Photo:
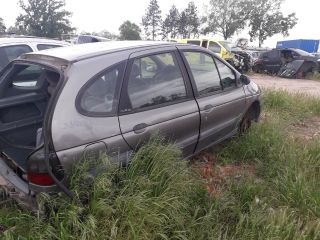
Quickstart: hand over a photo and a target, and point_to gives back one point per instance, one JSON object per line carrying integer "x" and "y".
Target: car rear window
{"x": 9, "y": 53}
{"x": 97, "y": 97}
{"x": 47, "y": 46}
{"x": 194, "y": 42}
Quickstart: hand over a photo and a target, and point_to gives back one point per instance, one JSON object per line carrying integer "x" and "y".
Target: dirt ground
{"x": 304, "y": 86}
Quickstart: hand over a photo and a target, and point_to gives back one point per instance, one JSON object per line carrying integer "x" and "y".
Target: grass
{"x": 160, "y": 197}
{"x": 313, "y": 76}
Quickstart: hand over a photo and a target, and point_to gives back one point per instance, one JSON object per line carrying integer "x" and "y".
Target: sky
{"x": 97, "y": 15}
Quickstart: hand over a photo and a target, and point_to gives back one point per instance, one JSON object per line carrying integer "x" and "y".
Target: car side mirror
{"x": 245, "y": 79}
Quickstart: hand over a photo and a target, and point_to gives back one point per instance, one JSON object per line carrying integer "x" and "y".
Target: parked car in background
{"x": 277, "y": 61}
{"x": 81, "y": 39}
{"x": 13, "y": 47}
{"x": 109, "y": 98}
{"x": 223, "y": 49}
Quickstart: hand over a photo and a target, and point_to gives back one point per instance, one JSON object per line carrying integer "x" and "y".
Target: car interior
{"x": 24, "y": 94}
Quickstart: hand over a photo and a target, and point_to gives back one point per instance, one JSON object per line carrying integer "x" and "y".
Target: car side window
{"x": 29, "y": 78}
{"x": 214, "y": 47}
{"x": 273, "y": 54}
{"x": 204, "y": 72}
{"x": 46, "y": 46}
{"x": 228, "y": 78}
{"x": 98, "y": 96}
{"x": 154, "y": 84}
{"x": 9, "y": 53}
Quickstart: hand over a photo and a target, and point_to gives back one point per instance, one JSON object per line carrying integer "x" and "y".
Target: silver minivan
{"x": 60, "y": 105}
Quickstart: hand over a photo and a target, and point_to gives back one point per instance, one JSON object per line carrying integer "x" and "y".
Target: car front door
{"x": 272, "y": 61}
{"x": 221, "y": 101}
{"x": 156, "y": 98}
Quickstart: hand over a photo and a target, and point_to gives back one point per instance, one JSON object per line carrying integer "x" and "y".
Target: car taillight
{"x": 42, "y": 179}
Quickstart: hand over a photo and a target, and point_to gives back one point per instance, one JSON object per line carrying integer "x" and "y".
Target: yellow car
{"x": 221, "y": 48}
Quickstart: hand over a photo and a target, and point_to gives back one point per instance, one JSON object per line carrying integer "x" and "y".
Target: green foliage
{"x": 183, "y": 22}
{"x": 2, "y": 26}
{"x": 151, "y": 21}
{"x": 266, "y": 20}
{"x": 226, "y": 17}
{"x": 193, "y": 22}
{"x": 292, "y": 108}
{"x": 129, "y": 31}
{"x": 171, "y": 23}
{"x": 44, "y": 18}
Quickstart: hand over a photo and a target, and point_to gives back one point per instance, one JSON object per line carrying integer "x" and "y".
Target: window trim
{"x": 123, "y": 104}
{"x": 116, "y": 93}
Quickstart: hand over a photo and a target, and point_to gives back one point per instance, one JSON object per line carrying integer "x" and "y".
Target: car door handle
{"x": 140, "y": 128}
{"x": 207, "y": 108}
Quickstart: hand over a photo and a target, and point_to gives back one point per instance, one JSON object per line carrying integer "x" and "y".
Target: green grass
{"x": 160, "y": 197}
{"x": 313, "y": 76}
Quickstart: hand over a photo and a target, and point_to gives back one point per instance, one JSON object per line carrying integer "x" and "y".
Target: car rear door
{"x": 22, "y": 107}
{"x": 221, "y": 100}
{"x": 156, "y": 98}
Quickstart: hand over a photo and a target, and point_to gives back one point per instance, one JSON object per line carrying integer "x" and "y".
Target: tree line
{"x": 48, "y": 18}
{"x": 263, "y": 18}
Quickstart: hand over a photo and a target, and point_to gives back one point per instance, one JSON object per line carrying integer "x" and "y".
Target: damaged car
{"x": 290, "y": 63}
{"x": 59, "y": 106}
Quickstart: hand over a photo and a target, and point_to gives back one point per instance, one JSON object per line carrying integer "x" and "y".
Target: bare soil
{"x": 306, "y": 130}
{"x": 309, "y": 87}
{"x": 216, "y": 175}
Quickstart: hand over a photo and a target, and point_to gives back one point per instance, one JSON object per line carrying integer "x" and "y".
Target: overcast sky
{"x": 97, "y": 15}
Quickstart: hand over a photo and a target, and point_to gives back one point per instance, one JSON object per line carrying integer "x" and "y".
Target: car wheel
{"x": 245, "y": 123}
{"x": 257, "y": 69}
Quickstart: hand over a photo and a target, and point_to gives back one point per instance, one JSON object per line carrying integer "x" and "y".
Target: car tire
{"x": 257, "y": 68}
{"x": 245, "y": 123}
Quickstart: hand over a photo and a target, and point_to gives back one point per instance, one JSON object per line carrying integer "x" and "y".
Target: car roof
{"x": 21, "y": 40}
{"x": 88, "y": 50}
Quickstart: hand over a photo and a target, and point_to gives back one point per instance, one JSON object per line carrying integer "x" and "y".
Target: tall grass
{"x": 159, "y": 196}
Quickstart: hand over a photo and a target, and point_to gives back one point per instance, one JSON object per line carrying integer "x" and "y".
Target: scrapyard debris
{"x": 297, "y": 69}
{"x": 288, "y": 63}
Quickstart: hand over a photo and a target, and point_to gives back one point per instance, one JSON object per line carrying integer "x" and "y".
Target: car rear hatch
{"x": 24, "y": 110}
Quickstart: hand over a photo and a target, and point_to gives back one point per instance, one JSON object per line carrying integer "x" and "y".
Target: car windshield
{"x": 226, "y": 45}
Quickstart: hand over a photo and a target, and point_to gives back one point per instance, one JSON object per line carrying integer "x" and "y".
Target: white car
{"x": 13, "y": 47}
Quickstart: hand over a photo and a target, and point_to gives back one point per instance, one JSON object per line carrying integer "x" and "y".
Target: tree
{"x": 227, "y": 17}
{"x": 2, "y": 26}
{"x": 183, "y": 23}
{"x": 151, "y": 21}
{"x": 44, "y": 18}
{"x": 165, "y": 28}
{"x": 193, "y": 21}
{"x": 170, "y": 25}
{"x": 129, "y": 31}
{"x": 107, "y": 34}
{"x": 266, "y": 20}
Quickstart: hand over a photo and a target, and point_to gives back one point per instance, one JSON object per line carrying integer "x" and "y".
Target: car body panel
{"x": 222, "y": 117}
{"x": 69, "y": 127}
